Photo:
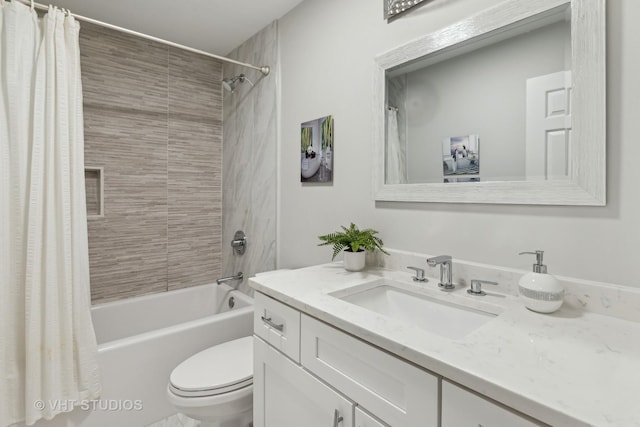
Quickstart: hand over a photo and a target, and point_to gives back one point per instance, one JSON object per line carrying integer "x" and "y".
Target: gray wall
{"x": 153, "y": 121}
{"x": 327, "y": 63}
{"x": 249, "y": 191}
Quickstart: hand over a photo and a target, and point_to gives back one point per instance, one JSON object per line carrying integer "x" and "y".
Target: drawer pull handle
{"x": 269, "y": 322}
{"x": 337, "y": 419}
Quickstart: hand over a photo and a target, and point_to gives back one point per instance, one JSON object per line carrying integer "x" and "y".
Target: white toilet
{"x": 215, "y": 386}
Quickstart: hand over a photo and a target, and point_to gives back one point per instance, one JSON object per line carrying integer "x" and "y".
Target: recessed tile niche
{"x": 94, "y": 188}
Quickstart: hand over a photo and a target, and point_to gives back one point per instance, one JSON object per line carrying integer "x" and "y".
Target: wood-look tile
{"x": 194, "y": 202}
{"x": 195, "y": 87}
{"x": 128, "y": 246}
{"x": 194, "y": 258}
{"x": 128, "y": 256}
{"x": 162, "y": 177}
{"x": 122, "y": 70}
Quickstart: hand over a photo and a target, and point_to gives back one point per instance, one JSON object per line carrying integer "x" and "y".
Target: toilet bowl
{"x": 215, "y": 386}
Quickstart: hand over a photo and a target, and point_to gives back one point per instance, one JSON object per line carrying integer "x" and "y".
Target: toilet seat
{"x": 220, "y": 369}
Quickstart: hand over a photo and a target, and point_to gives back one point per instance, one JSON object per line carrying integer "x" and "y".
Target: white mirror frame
{"x": 587, "y": 182}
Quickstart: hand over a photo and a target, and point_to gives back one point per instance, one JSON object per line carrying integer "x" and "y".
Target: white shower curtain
{"x": 396, "y": 159}
{"x": 48, "y": 351}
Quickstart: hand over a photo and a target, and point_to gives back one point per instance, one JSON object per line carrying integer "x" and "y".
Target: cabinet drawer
{"x": 277, "y": 324}
{"x": 461, "y": 408}
{"x": 363, "y": 419}
{"x": 399, "y": 393}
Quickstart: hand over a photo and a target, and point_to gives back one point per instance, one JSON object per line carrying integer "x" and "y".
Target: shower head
{"x": 231, "y": 83}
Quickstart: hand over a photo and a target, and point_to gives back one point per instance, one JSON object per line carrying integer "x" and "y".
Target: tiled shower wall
{"x": 249, "y": 193}
{"x": 153, "y": 121}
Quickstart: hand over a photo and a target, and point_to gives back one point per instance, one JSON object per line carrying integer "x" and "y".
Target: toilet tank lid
{"x": 219, "y": 366}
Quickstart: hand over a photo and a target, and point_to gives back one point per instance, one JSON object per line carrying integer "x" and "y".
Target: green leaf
{"x": 352, "y": 239}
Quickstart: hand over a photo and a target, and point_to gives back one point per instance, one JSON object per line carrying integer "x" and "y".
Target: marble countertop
{"x": 565, "y": 369}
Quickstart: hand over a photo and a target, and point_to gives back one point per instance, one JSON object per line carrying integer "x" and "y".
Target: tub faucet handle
{"x": 419, "y": 277}
{"x": 239, "y": 242}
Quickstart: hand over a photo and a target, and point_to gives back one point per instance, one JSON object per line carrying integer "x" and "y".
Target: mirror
{"x": 507, "y": 106}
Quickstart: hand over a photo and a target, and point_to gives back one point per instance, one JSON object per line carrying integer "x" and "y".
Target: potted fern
{"x": 354, "y": 242}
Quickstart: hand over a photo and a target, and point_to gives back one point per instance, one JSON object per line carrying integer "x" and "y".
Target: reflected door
{"x": 548, "y": 128}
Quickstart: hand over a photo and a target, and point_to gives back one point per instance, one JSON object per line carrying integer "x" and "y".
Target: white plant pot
{"x": 354, "y": 261}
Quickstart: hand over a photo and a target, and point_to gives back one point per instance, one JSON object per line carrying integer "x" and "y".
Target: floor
{"x": 177, "y": 420}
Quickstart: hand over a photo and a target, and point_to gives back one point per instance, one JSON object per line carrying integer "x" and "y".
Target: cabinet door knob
{"x": 337, "y": 419}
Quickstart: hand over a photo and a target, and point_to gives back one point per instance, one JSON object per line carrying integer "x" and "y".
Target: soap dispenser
{"x": 540, "y": 291}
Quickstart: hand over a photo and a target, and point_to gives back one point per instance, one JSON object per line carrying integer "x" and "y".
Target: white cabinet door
{"x": 461, "y": 408}
{"x": 287, "y": 396}
{"x": 395, "y": 391}
{"x": 365, "y": 420}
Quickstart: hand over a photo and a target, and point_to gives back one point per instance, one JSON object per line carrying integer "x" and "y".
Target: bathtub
{"x": 309, "y": 166}
{"x": 141, "y": 340}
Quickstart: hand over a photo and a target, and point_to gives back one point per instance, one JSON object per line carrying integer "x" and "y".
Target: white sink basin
{"x": 390, "y": 299}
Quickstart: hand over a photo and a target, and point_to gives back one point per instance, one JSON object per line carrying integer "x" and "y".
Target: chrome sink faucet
{"x": 446, "y": 270}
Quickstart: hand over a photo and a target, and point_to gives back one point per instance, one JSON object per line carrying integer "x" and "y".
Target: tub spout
{"x": 238, "y": 276}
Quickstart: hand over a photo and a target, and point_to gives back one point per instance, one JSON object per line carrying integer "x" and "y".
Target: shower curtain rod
{"x": 264, "y": 69}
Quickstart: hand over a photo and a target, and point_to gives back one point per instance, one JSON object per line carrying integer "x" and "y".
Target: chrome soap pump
{"x": 541, "y": 292}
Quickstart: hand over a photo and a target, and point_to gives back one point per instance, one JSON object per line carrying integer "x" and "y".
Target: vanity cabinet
{"x": 462, "y": 408}
{"x": 285, "y": 395}
{"x": 330, "y": 374}
{"x": 308, "y": 373}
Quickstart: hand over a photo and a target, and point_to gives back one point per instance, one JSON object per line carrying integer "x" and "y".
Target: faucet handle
{"x": 419, "y": 277}
{"x": 476, "y": 287}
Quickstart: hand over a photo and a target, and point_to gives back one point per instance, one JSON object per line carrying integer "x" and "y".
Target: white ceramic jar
{"x": 541, "y": 292}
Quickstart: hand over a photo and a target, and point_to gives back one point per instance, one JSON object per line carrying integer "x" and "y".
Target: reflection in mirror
{"x": 519, "y": 86}
{"x": 491, "y": 92}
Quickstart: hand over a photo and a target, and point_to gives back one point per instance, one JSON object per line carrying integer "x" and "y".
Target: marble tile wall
{"x": 153, "y": 121}
{"x": 249, "y": 159}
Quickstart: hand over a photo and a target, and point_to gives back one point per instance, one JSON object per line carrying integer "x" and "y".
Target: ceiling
{"x": 214, "y": 26}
